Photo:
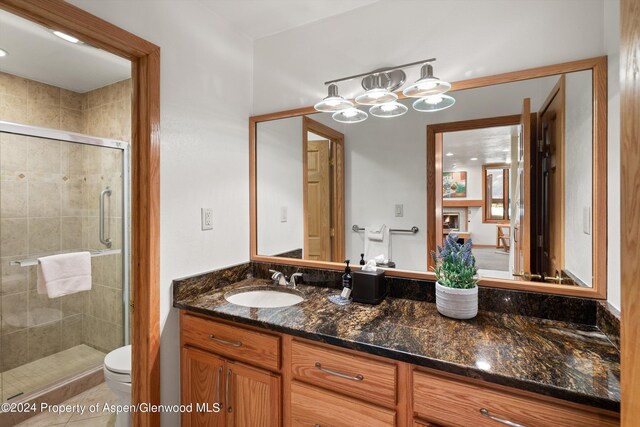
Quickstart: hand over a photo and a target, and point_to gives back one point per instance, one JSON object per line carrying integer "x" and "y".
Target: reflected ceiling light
{"x": 3, "y": 53}
{"x": 390, "y": 109}
{"x": 434, "y": 103}
{"x": 474, "y": 158}
{"x": 378, "y": 94}
{"x": 380, "y": 86}
{"x": 352, "y": 115}
{"x": 333, "y": 102}
{"x": 449, "y": 154}
{"x": 66, "y": 37}
{"x": 427, "y": 84}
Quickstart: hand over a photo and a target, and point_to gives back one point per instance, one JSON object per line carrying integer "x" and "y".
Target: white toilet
{"x": 117, "y": 375}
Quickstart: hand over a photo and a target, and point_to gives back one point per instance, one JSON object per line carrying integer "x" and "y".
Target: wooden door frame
{"x": 505, "y": 195}
{"x": 630, "y": 210}
{"x": 434, "y": 170}
{"x": 337, "y": 190}
{"x": 145, "y": 185}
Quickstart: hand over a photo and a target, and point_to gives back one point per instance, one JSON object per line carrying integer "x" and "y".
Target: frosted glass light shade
{"x": 434, "y": 103}
{"x": 333, "y": 102}
{"x": 352, "y": 115}
{"x": 390, "y": 109}
{"x": 427, "y": 84}
{"x": 376, "y": 96}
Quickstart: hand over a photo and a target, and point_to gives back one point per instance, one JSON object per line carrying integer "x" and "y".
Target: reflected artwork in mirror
{"x": 517, "y": 165}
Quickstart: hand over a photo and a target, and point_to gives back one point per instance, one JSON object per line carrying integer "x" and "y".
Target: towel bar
{"x": 413, "y": 229}
{"x": 27, "y": 262}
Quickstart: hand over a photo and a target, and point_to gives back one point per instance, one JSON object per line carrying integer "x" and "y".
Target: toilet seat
{"x": 117, "y": 365}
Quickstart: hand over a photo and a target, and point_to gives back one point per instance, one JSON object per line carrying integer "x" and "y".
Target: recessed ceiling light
{"x": 474, "y": 158}
{"x": 506, "y": 150}
{"x": 3, "y": 53}
{"x": 66, "y": 37}
{"x": 449, "y": 154}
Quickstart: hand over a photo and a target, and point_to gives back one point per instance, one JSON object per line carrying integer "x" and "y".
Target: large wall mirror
{"x": 517, "y": 165}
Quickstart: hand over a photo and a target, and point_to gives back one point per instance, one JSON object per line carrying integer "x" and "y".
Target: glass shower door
{"x": 58, "y": 196}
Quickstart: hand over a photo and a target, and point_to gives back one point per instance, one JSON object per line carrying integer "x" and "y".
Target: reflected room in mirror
{"x": 511, "y": 166}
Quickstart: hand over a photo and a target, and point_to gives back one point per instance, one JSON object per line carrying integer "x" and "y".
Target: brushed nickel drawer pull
{"x": 338, "y": 374}
{"x": 226, "y": 391}
{"x": 231, "y": 343}
{"x": 485, "y": 413}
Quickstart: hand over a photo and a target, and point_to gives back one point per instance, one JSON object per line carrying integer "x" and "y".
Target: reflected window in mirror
{"x": 496, "y": 193}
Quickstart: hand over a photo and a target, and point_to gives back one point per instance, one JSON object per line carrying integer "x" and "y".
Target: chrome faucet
{"x": 280, "y": 279}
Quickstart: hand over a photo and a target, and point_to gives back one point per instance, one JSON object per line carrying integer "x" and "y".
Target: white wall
{"x": 578, "y": 174}
{"x": 279, "y": 185}
{"x": 205, "y": 103}
{"x": 612, "y": 46}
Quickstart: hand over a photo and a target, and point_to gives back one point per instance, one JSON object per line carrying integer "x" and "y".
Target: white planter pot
{"x": 457, "y": 303}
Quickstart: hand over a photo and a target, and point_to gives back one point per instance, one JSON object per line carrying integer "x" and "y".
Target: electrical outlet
{"x": 283, "y": 214}
{"x": 207, "y": 219}
{"x": 399, "y": 210}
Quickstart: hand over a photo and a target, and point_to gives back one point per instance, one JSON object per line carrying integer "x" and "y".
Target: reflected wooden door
{"x": 552, "y": 177}
{"x": 522, "y": 220}
{"x": 318, "y": 182}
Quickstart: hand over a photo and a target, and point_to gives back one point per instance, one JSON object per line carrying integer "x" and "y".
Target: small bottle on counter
{"x": 347, "y": 282}
{"x": 362, "y": 261}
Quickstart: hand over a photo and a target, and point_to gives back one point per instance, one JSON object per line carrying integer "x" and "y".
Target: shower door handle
{"x": 105, "y": 241}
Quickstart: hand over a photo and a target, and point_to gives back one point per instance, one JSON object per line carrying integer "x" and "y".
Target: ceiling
{"x": 261, "y": 18}
{"x": 35, "y": 53}
{"x": 488, "y": 145}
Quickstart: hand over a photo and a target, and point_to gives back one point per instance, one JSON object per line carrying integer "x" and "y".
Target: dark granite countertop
{"x": 563, "y": 360}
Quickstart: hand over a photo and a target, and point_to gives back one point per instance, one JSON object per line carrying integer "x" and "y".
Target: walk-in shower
{"x": 60, "y": 192}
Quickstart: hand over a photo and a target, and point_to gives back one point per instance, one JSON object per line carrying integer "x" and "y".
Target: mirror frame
{"x": 598, "y": 67}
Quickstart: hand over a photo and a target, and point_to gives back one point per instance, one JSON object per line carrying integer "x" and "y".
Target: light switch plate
{"x": 283, "y": 214}
{"x": 207, "y": 219}
{"x": 399, "y": 210}
{"x": 586, "y": 220}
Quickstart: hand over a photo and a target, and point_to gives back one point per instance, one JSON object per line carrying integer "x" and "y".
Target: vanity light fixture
{"x": 66, "y": 37}
{"x": 333, "y": 102}
{"x": 434, "y": 103}
{"x": 390, "y": 109}
{"x": 379, "y": 86}
{"x": 351, "y": 115}
{"x": 427, "y": 84}
{"x": 3, "y": 53}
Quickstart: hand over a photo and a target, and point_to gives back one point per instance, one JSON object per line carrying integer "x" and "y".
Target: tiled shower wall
{"x": 49, "y": 204}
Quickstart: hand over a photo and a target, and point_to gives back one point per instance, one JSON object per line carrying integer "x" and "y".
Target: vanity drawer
{"x": 450, "y": 402}
{"x": 233, "y": 342}
{"x": 311, "y": 406}
{"x": 346, "y": 373}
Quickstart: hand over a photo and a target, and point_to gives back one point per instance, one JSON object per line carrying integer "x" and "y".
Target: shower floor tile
{"x": 49, "y": 370}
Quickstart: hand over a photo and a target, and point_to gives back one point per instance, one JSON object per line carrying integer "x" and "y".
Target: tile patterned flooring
{"x": 97, "y": 395}
{"x": 49, "y": 370}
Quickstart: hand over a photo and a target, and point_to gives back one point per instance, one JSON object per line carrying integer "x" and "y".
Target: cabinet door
{"x": 254, "y": 396}
{"x": 202, "y": 387}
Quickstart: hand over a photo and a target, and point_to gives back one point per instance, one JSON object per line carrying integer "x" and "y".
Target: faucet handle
{"x": 292, "y": 280}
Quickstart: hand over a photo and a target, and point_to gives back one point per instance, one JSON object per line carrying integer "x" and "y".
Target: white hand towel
{"x": 375, "y": 233}
{"x": 374, "y": 248}
{"x": 64, "y": 274}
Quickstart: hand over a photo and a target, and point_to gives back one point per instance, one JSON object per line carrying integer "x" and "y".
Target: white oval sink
{"x": 264, "y": 297}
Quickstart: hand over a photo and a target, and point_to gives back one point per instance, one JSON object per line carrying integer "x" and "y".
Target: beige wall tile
{"x": 43, "y": 309}
{"x": 44, "y": 340}
{"x": 13, "y": 237}
{"x": 71, "y": 120}
{"x": 44, "y": 236}
{"x": 72, "y": 196}
{"x": 113, "y": 305}
{"x": 71, "y": 233}
{"x": 13, "y": 109}
{"x": 45, "y": 115}
{"x": 14, "y": 350}
{"x": 71, "y": 158}
{"x": 70, "y": 99}
{"x": 73, "y": 304}
{"x": 44, "y": 156}
{"x": 13, "y": 152}
{"x": 13, "y": 199}
{"x": 14, "y": 312}
{"x": 13, "y": 85}
{"x": 71, "y": 331}
{"x": 14, "y": 278}
{"x": 113, "y": 336}
{"x": 42, "y": 93}
{"x": 44, "y": 199}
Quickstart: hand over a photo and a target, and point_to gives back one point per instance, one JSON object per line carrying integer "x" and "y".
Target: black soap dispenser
{"x": 347, "y": 282}
{"x": 362, "y": 261}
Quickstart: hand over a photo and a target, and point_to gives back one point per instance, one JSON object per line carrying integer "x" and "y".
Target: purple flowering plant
{"x": 455, "y": 264}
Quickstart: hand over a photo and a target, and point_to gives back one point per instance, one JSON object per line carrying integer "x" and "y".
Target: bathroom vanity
{"x": 398, "y": 363}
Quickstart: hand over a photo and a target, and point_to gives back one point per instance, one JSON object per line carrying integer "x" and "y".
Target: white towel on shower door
{"x": 64, "y": 274}
{"x": 376, "y": 244}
